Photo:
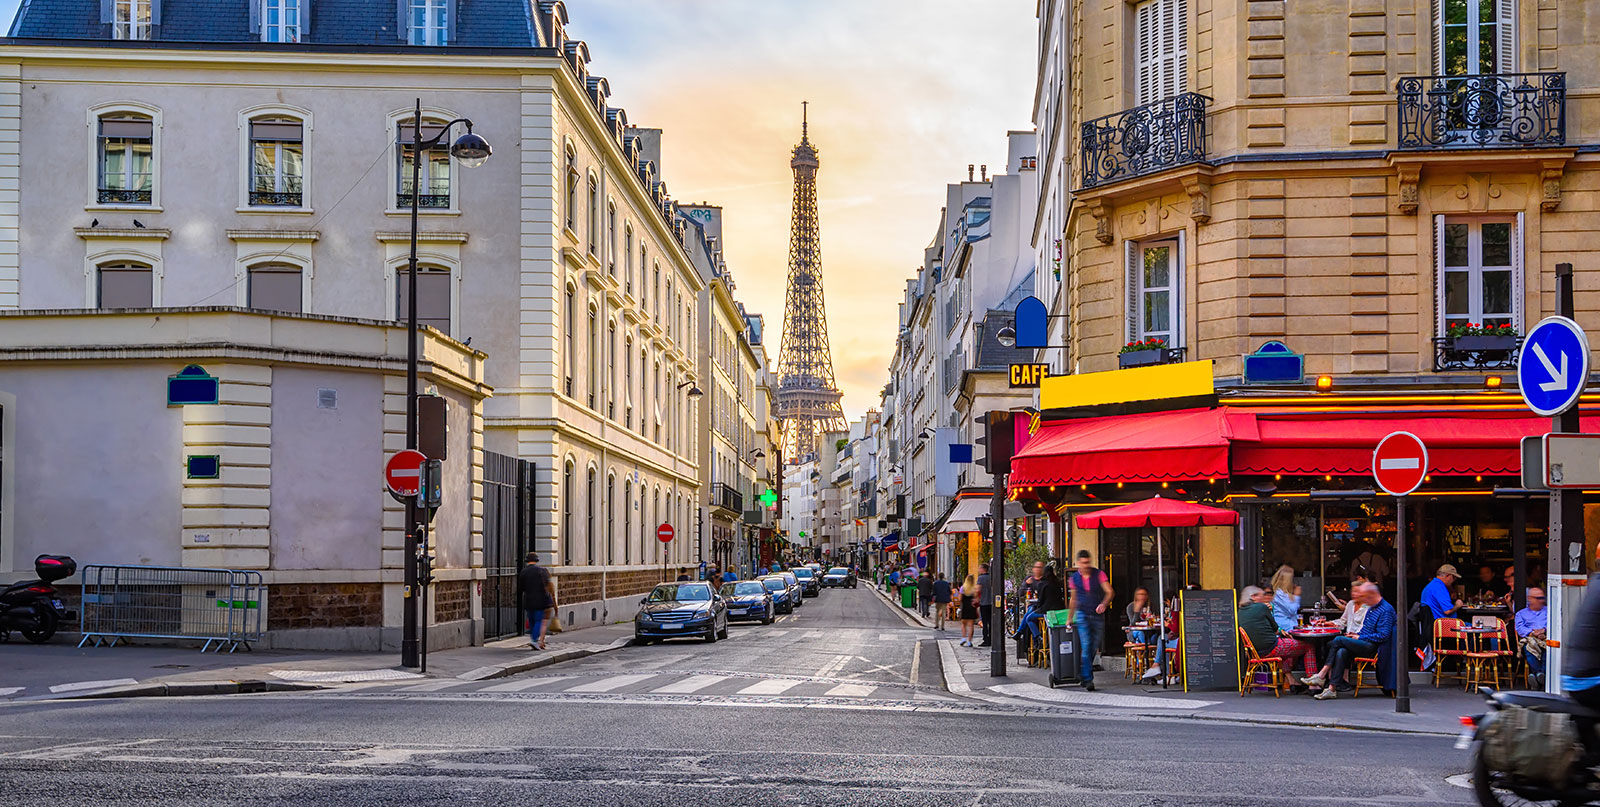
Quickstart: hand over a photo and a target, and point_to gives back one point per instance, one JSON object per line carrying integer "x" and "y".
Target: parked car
{"x": 810, "y": 582}
{"x": 782, "y": 595}
{"x": 748, "y": 599}
{"x": 676, "y": 610}
{"x": 795, "y": 586}
{"x": 839, "y": 577}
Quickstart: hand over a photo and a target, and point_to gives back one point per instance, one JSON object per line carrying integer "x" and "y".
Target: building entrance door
{"x": 507, "y": 538}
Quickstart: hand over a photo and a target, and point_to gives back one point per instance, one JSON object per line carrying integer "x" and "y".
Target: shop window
{"x": 1161, "y": 50}
{"x": 277, "y": 287}
{"x": 1154, "y": 288}
{"x": 1480, "y": 271}
{"x": 127, "y": 160}
{"x": 433, "y": 297}
{"x": 435, "y": 176}
{"x": 277, "y": 165}
{"x": 125, "y": 285}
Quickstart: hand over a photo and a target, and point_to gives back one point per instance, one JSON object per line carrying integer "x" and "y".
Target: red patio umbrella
{"x": 1159, "y": 513}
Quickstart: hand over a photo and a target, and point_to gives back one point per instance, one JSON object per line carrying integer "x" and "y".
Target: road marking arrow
{"x": 1558, "y": 378}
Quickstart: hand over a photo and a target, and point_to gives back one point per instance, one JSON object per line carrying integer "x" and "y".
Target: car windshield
{"x": 686, "y": 592}
{"x": 774, "y": 583}
{"x": 803, "y": 574}
{"x": 838, "y": 570}
{"x": 747, "y": 587}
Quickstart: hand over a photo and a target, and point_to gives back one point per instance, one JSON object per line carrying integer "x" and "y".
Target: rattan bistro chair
{"x": 1254, "y": 662}
{"x": 1448, "y": 643}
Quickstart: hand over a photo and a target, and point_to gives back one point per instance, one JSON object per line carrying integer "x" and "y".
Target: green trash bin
{"x": 908, "y": 596}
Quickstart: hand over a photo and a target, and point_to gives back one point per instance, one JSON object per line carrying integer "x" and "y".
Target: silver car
{"x": 797, "y": 590}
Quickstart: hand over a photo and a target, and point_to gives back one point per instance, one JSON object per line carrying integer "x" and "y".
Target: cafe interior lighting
{"x": 1324, "y": 383}
{"x": 1492, "y": 382}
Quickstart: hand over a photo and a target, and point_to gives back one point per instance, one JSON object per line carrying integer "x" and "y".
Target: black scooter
{"x": 33, "y": 607}
{"x": 1565, "y": 778}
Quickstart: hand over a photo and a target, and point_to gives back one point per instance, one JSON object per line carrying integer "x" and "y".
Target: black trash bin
{"x": 1063, "y": 638}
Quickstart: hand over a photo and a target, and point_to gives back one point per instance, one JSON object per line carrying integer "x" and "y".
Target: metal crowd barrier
{"x": 221, "y": 607}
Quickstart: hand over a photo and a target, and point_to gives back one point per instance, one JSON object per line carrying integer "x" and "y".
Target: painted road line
{"x": 693, "y": 683}
{"x": 658, "y": 662}
{"x": 82, "y": 685}
{"x": 519, "y": 686}
{"x": 5, "y": 691}
{"x": 777, "y": 632}
{"x": 432, "y": 686}
{"x": 849, "y": 691}
{"x": 611, "y": 683}
{"x": 1042, "y": 693}
{"x": 771, "y": 686}
{"x": 812, "y": 634}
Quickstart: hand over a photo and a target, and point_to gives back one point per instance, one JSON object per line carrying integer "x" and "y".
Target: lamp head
{"x": 694, "y": 392}
{"x": 1007, "y": 336}
{"x": 471, "y": 149}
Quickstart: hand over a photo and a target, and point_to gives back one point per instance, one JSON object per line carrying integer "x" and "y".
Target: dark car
{"x": 810, "y": 585}
{"x": 749, "y": 599}
{"x": 782, "y": 593}
{"x": 839, "y": 577}
{"x": 673, "y": 610}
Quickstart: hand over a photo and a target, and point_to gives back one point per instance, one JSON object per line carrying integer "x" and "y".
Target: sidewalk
{"x": 966, "y": 670}
{"x": 59, "y": 669}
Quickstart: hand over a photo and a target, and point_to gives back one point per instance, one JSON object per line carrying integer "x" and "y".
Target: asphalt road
{"x": 629, "y": 745}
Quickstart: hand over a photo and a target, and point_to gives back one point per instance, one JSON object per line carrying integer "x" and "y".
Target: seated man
{"x": 1531, "y": 623}
{"x": 1376, "y": 630}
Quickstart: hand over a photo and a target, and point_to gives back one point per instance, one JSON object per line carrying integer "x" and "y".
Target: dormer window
{"x": 428, "y": 22}
{"x": 280, "y": 20}
{"x": 131, "y": 19}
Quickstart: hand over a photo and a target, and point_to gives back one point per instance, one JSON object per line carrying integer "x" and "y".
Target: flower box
{"x": 1144, "y": 358}
{"x": 1484, "y": 343}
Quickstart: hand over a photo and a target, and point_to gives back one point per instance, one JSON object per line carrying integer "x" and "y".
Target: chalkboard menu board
{"x": 1210, "y": 641}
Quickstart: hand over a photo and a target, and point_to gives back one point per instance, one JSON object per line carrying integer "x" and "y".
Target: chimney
{"x": 969, "y": 172}
{"x": 983, "y": 173}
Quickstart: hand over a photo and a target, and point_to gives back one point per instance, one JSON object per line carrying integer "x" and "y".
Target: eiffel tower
{"x": 808, "y": 399}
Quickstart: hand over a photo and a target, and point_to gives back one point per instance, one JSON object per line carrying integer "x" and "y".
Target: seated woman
{"x": 1168, "y": 642}
{"x": 1256, "y": 618}
{"x": 1138, "y": 611}
{"x": 1349, "y": 622}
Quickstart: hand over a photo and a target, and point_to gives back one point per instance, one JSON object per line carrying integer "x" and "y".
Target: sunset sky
{"x": 904, "y": 95}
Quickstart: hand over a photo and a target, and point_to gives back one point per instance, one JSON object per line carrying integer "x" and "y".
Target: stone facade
{"x": 299, "y": 606}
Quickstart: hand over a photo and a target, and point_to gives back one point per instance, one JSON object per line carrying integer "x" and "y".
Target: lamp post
{"x": 471, "y": 150}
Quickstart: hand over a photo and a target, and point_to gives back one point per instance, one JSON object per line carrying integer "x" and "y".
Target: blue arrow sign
{"x": 1553, "y": 366}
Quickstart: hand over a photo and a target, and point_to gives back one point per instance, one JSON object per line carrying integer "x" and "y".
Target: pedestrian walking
{"x": 924, "y": 592}
{"x": 985, "y": 607}
{"x": 538, "y": 599}
{"x": 969, "y": 608}
{"x": 1091, "y": 596}
{"x": 941, "y": 601}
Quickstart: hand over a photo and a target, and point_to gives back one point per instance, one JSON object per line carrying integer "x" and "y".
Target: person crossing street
{"x": 924, "y": 592}
{"x": 941, "y": 601}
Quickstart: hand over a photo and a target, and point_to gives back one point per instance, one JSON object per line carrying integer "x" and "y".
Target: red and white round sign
{"x": 664, "y": 533}
{"x": 403, "y": 472}
{"x": 1400, "y": 463}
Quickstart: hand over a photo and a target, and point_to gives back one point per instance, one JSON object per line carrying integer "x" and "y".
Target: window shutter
{"x": 450, "y": 7}
{"x": 305, "y": 20}
{"x": 107, "y": 15}
{"x": 1180, "y": 45}
{"x": 1131, "y": 289}
{"x": 255, "y": 15}
{"x": 1145, "y": 77}
{"x": 1506, "y": 29}
{"x": 402, "y": 30}
{"x": 1517, "y": 273}
{"x": 1438, "y": 37}
{"x": 1180, "y": 268}
{"x": 1438, "y": 275}
{"x": 155, "y": 12}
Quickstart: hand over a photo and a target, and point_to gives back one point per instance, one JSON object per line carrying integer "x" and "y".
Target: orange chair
{"x": 1135, "y": 659}
{"x": 1273, "y": 666}
{"x": 1364, "y": 666}
{"x": 1448, "y": 643}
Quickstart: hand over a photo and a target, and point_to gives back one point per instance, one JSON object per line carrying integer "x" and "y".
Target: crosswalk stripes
{"x": 812, "y": 634}
{"x": 5, "y": 691}
{"x": 432, "y": 686}
{"x": 850, "y": 691}
{"x": 524, "y": 685}
{"x": 611, "y": 683}
{"x": 693, "y": 683}
{"x": 770, "y": 686}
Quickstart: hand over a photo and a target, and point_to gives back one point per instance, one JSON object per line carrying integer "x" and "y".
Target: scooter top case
{"x": 51, "y": 568}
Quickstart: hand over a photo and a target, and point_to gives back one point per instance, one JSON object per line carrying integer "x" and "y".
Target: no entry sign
{"x": 1399, "y": 463}
{"x": 664, "y": 533}
{"x": 403, "y": 472}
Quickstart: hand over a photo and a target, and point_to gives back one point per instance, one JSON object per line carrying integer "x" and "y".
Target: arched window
{"x": 611, "y": 519}
{"x": 644, "y": 390}
{"x": 433, "y": 296}
{"x": 276, "y": 287}
{"x": 571, "y": 347}
{"x": 594, "y": 215}
{"x": 655, "y": 295}
{"x": 611, "y": 364}
{"x": 566, "y": 515}
{"x": 126, "y": 146}
{"x": 657, "y": 377}
{"x": 627, "y": 384}
{"x": 627, "y": 521}
{"x": 572, "y": 190}
{"x": 277, "y": 166}
{"x": 655, "y": 511}
{"x": 671, "y": 309}
{"x": 435, "y": 168}
{"x": 589, "y": 510}
{"x": 644, "y": 261}
{"x": 125, "y": 284}
{"x": 594, "y": 357}
{"x": 611, "y": 239}
{"x": 627, "y": 255}
{"x": 670, "y": 413}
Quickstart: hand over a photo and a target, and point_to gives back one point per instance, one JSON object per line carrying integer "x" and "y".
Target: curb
{"x": 911, "y": 617}
{"x": 176, "y": 689}
{"x": 556, "y": 657}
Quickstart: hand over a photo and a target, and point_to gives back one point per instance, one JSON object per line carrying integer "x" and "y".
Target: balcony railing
{"x": 1475, "y": 352}
{"x": 727, "y": 498}
{"x": 277, "y": 199}
{"x": 121, "y": 196}
{"x": 1145, "y": 139}
{"x": 402, "y": 201}
{"x": 1514, "y": 110}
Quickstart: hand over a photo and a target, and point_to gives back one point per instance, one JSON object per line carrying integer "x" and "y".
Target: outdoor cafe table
{"x": 1470, "y": 611}
{"x": 1333, "y": 612}
{"x": 1316, "y": 637}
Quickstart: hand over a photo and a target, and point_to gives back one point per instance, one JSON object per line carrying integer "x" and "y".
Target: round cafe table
{"x": 1318, "y": 638}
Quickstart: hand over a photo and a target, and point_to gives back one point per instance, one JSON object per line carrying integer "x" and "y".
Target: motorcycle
{"x": 34, "y": 607}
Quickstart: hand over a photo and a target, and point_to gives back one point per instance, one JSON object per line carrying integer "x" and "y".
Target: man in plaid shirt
{"x": 1376, "y": 630}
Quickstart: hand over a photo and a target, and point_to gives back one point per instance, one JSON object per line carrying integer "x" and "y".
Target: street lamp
{"x": 470, "y": 150}
{"x": 694, "y": 392}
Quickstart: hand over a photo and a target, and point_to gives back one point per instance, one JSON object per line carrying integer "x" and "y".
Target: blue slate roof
{"x": 479, "y": 23}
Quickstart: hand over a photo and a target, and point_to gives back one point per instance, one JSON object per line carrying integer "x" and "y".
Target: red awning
{"x": 1486, "y": 443}
{"x": 1154, "y": 447}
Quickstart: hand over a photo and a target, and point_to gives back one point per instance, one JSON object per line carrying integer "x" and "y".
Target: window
{"x": 280, "y": 20}
{"x": 429, "y": 22}
{"x": 671, "y": 307}
{"x": 435, "y": 174}
{"x": 1154, "y": 284}
{"x": 276, "y": 165}
{"x": 1161, "y": 48}
{"x": 658, "y": 400}
{"x": 127, "y": 160}
{"x": 1480, "y": 263}
{"x": 627, "y": 521}
{"x": 276, "y": 287}
{"x": 644, "y": 260}
{"x": 611, "y": 363}
{"x": 594, "y": 216}
{"x": 571, "y": 353}
{"x": 594, "y": 357}
{"x": 131, "y": 19}
{"x": 627, "y": 254}
{"x": 644, "y": 389}
{"x": 611, "y": 519}
{"x": 566, "y": 514}
{"x": 572, "y": 191}
{"x": 126, "y": 285}
{"x": 627, "y": 384}
{"x": 588, "y": 514}
{"x": 611, "y": 240}
{"x": 655, "y": 296}
{"x": 433, "y": 297}
{"x": 1474, "y": 37}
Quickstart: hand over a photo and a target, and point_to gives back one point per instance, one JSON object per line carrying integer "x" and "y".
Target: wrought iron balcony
{"x": 275, "y": 199}
{"x": 1145, "y": 139}
{"x": 429, "y": 200}
{"x": 1475, "y": 352}
{"x": 122, "y": 196}
{"x": 1509, "y": 110}
{"x": 727, "y": 498}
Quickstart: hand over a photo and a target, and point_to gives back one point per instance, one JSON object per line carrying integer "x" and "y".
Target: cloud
{"x": 904, "y": 95}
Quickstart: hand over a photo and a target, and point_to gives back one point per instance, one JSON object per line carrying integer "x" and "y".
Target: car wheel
{"x": 711, "y": 633}
{"x": 767, "y": 620}
{"x": 723, "y": 634}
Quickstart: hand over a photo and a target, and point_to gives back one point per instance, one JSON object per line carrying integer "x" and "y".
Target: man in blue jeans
{"x": 1376, "y": 630}
{"x": 1091, "y": 596}
{"x": 538, "y": 598}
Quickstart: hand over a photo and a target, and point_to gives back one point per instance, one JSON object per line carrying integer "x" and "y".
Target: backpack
{"x": 1542, "y": 747}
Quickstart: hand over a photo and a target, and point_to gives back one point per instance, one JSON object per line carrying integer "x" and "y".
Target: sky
{"x": 904, "y": 95}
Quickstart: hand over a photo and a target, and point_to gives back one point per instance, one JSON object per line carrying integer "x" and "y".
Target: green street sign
{"x": 769, "y": 498}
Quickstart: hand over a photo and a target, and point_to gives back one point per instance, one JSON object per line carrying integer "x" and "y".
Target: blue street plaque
{"x": 960, "y": 452}
{"x": 1274, "y": 363}
{"x": 192, "y": 385}
{"x": 1553, "y": 366}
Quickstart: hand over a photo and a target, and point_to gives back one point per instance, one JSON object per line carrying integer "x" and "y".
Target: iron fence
{"x": 1483, "y": 111}
{"x": 1145, "y": 139}
{"x": 220, "y": 607}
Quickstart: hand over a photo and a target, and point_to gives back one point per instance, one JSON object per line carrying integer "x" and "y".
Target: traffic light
{"x": 431, "y": 429}
{"x": 431, "y": 490}
{"x": 1000, "y": 439}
